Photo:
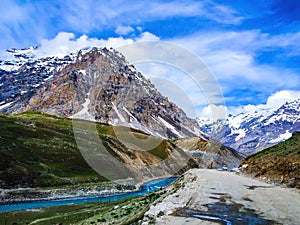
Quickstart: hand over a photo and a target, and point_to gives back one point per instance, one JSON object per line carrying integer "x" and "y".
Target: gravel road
{"x": 221, "y": 197}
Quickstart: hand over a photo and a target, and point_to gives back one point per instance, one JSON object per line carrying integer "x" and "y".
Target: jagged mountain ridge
{"x": 21, "y": 74}
{"x": 95, "y": 84}
{"x": 249, "y": 133}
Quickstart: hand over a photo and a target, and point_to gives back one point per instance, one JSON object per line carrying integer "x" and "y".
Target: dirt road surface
{"x": 222, "y": 197}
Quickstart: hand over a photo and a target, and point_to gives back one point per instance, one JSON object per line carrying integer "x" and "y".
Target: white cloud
{"x": 64, "y": 43}
{"x": 231, "y": 57}
{"x": 221, "y": 13}
{"x": 25, "y": 23}
{"x": 214, "y": 112}
{"x": 243, "y": 40}
{"x": 205, "y": 9}
{"x": 231, "y": 66}
{"x": 281, "y": 97}
{"x": 124, "y": 30}
{"x": 273, "y": 102}
{"x": 18, "y": 25}
{"x": 147, "y": 36}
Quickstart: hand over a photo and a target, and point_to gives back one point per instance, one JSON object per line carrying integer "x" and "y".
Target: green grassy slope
{"x": 280, "y": 163}
{"x": 39, "y": 150}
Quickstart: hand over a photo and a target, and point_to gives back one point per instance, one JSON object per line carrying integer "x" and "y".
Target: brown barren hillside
{"x": 278, "y": 164}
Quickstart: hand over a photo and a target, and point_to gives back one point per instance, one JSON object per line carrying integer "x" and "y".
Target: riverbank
{"x": 141, "y": 190}
{"x": 117, "y": 209}
{"x": 115, "y": 212}
{"x": 17, "y": 195}
{"x": 225, "y": 195}
{"x": 88, "y": 190}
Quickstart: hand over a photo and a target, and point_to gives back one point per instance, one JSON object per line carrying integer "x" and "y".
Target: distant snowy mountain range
{"x": 249, "y": 133}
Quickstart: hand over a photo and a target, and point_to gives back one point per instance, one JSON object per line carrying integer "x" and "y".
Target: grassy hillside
{"x": 39, "y": 150}
{"x": 280, "y": 163}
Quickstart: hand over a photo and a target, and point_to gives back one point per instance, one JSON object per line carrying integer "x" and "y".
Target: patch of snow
{"x": 271, "y": 120}
{"x": 118, "y": 113}
{"x": 282, "y": 137}
{"x": 236, "y": 121}
{"x": 5, "y": 105}
{"x": 172, "y": 128}
{"x": 84, "y": 113}
{"x": 146, "y": 89}
{"x": 241, "y": 134}
{"x": 9, "y": 67}
{"x": 83, "y": 72}
{"x": 48, "y": 78}
{"x": 129, "y": 113}
{"x": 244, "y": 166}
{"x": 138, "y": 77}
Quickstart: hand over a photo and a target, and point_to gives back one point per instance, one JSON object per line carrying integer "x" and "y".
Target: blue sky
{"x": 251, "y": 47}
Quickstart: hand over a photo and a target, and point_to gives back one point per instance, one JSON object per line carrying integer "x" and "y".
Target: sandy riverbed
{"x": 200, "y": 188}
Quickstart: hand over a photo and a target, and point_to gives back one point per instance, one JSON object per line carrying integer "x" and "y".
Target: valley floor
{"x": 225, "y": 197}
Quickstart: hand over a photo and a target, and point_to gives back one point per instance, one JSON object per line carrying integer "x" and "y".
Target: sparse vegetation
{"x": 278, "y": 164}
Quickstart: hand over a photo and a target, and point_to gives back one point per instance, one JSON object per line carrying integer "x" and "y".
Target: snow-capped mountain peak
{"x": 95, "y": 84}
{"x": 252, "y": 132}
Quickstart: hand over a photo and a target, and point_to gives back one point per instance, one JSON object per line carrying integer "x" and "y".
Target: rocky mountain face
{"x": 279, "y": 164}
{"x": 209, "y": 154}
{"x": 99, "y": 85}
{"x": 95, "y": 84}
{"x": 249, "y": 133}
{"x": 21, "y": 74}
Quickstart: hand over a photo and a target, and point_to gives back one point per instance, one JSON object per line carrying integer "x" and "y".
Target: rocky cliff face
{"x": 95, "y": 84}
{"x": 249, "y": 133}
